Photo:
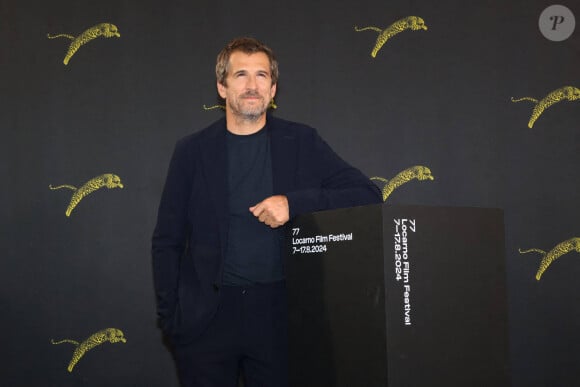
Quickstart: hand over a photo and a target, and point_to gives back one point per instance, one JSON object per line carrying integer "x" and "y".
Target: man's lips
{"x": 251, "y": 96}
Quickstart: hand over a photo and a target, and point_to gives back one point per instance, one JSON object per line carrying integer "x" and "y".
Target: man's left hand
{"x": 273, "y": 211}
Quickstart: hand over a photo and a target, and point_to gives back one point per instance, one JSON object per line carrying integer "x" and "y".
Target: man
{"x": 217, "y": 246}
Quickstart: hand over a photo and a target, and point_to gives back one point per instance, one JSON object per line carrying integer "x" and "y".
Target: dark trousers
{"x": 249, "y": 334}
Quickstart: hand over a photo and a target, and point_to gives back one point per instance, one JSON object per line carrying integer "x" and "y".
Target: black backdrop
{"x": 438, "y": 98}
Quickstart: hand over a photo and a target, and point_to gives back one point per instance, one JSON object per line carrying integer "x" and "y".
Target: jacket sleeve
{"x": 170, "y": 234}
{"x": 325, "y": 181}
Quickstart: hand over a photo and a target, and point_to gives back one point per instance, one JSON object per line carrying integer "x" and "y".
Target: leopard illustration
{"x": 108, "y": 180}
{"x": 418, "y": 172}
{"x": 569, "y": 93}
{"x": 413, "y": 23}
{"x": 106, "y": 30}
{"x": 111, "y": 335}
{"x": 572, "y": 244}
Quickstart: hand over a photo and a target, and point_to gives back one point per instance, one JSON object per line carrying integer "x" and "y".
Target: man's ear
{"x": 221, "y": 90}
{"x": 273, "y": 90}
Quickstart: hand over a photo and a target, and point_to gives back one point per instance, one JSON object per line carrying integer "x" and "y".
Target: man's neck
{"x": 243, "y": 126}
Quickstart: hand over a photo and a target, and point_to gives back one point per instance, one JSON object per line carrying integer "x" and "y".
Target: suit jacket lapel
{"x": 283, "y": 152}
{"x": 214, "y": 164}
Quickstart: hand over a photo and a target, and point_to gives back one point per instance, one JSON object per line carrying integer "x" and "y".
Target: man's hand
{"x": 273, "y": 211}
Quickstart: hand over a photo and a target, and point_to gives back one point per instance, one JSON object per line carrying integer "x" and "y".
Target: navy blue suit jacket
{"x": 189, "y": 241}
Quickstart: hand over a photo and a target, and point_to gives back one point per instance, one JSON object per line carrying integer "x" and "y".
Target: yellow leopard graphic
{"x": 418, "y": 172}
{"x": 223, "y": 107}
{"x": 572, "y": 244}
{"x": 106, "y": 180}
{"x": 569, "y": 93}
{"x": 412, "y": 23}
{"x": 106, "y": 30}
{"x": 111, "y": 335}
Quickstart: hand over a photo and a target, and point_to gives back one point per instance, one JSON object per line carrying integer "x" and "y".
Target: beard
{"x": 250, "y": 112}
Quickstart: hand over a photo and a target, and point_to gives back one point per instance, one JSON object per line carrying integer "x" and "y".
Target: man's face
{"x": 248, "y": 87}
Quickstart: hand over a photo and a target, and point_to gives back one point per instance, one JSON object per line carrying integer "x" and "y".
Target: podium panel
{"x": 336, "y": 296}
{"x": 399, "y": 296}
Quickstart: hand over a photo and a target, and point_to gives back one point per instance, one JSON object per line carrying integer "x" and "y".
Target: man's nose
{"x": 251, "y": 83}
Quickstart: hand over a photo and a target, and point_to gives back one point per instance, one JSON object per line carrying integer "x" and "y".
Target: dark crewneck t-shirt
{"x": 253, "y": 250}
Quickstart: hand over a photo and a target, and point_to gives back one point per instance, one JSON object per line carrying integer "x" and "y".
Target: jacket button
{"x": 216, "y": 287}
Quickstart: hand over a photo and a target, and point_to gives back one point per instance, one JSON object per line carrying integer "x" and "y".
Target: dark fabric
{"x": 249, "y": 331}
{"x": 253, "y": 248}
{"x": 189, "y": 241}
